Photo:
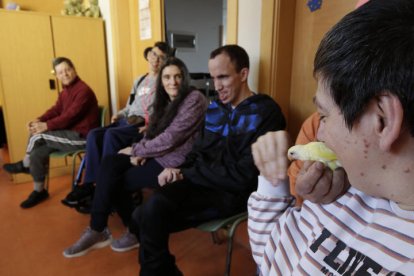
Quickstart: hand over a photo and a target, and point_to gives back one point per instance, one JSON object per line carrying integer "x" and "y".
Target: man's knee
{"x": 111, "y": 140}
{"x": 156, "y": 206}
{"x": 93, "y": 134}
{"x": 96, "y": 136}
{"x": 39, "y": 155}
{"x": 111, "y": 133}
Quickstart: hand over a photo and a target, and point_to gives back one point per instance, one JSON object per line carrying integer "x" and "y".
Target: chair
{"x": 74, "y": 154}
{"x": 204, "y": 83}
{"x": 229, "y": 224}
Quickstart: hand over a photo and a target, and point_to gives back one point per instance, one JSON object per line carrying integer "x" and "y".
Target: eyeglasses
{"x": 155, "y": 55}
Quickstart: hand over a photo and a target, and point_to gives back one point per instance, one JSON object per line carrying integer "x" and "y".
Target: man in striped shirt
{"x": 365, "y": 98}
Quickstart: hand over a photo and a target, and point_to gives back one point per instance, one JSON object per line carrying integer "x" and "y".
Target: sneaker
{"x": 126, "y": 242}
{"x": 34, "y": 198}
{"x": 78, "y": 194}
{"x": 16, "y": 168}
{"x": 89, "y": 240}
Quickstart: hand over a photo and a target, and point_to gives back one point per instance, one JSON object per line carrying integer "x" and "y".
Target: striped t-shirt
{"x": 355, "y": 235}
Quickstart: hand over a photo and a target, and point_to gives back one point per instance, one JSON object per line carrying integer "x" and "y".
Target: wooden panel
{"x": 266, "y": 46}
{"x": 276, "y": 50}
{"x": 49, "y": 6}
{"x": 83, "y": 41}
{"x": 309, "y": 30}
{"x": 121, "y": 44}
{"x": 26, "y": 53}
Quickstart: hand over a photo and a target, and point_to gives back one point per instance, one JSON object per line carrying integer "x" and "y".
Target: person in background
{"x": 219, "y": 174}
{"x": 147, "y": 52}
{"x": 61, "y": 128}
{"x": 174, "y": 125}
{"x": 365, "y": 100}
{"x": 126, "y": 126}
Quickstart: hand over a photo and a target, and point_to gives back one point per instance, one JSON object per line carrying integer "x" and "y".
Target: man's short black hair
{"x": 59, "y": 60}
{"x": 165, "y": 48}
{"x": 146, "y": 52}
{"x": 238, "y": 56}
{"x": 368, "y": 53}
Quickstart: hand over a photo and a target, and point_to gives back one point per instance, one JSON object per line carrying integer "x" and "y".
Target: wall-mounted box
{"x": 181, "y": 40}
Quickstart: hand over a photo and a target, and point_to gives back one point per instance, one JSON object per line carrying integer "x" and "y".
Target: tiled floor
{"x": 32, "y": 240}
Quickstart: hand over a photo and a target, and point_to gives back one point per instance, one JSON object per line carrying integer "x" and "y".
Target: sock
{"x": 26, "y": 161}
{"x": 39, "y": 186}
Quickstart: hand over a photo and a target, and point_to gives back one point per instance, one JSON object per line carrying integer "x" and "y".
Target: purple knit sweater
{"x": 171, "y": 146}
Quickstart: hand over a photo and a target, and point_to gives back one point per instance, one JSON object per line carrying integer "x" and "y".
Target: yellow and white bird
{"x": 314, "y": 151}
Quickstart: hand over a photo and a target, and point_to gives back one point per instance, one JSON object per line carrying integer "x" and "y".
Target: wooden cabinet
{"x": 29, "y": 42}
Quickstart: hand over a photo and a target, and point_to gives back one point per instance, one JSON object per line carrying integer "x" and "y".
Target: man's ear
{"x": 390, "y": 119}
{"x": 244, "y": 74}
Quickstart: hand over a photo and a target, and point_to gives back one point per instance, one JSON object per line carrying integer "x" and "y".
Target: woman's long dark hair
{"x": 164, "y": 110}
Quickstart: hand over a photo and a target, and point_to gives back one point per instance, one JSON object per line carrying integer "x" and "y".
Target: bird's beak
{"x": 290, "y": 155}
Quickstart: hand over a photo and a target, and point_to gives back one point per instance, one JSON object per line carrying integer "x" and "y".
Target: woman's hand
{"x": 142, "y": 129}
{"x": 138, "y": 160}
{"x": 126, "y": 151}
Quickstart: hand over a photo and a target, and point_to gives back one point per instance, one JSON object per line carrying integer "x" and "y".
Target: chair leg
{"x": 229, "y": 253}
{"x": 231, "y": 232}
{"x": 46, "y": 187}
{"x": 47, "y": 182}
{"x": 76, "y": 180}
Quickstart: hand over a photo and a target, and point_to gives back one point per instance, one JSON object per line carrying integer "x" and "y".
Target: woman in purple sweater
{"x": 174, "y": 124}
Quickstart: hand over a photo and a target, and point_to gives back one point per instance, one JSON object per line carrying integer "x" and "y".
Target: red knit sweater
{"x": 76, "y": 109}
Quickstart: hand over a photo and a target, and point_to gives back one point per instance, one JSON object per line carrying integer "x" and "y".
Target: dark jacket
{"x": 75, "y": 109}
{"x": 221, "y": 157}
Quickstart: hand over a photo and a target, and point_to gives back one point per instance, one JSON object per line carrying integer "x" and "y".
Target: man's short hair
{"x": 146, "y": 52}
{"x": 238, "y": 56}
{"x": 368, "y": 53}
{"x": 165, "y": 48}
{"x": 59, "y": 60}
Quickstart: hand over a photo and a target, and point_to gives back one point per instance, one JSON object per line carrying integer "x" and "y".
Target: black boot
{"x": 79, "y": 194}
{"x": 34, "y": 198}
{"x": 16, "y": 168}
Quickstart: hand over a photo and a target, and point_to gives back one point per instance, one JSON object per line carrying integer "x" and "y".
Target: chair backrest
{"x": 102, "y": 113}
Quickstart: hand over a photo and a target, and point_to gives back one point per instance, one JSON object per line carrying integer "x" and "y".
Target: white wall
{"x": 200, "y": 17}
{"x": 248, "y": 36}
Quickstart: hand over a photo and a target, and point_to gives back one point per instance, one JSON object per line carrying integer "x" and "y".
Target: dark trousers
{"x": 115, "y": 184}
{"x": 41, "y": 145}
{"x": 105, "y": 141}
{"x": 175, "y": 207}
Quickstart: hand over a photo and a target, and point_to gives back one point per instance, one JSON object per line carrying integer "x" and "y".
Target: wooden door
{"x": 276, "y": 50}
{"x": 26, "y": 53}
{"x": 310, "y": 27}
{"x": 83, "y": 41}
{"x": 121, "y": 45}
